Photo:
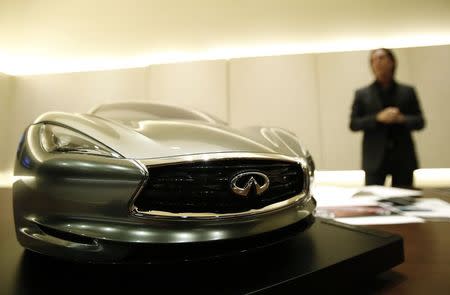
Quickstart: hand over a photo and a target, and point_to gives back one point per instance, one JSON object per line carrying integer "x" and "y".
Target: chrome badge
{"x": 242, "y": 183}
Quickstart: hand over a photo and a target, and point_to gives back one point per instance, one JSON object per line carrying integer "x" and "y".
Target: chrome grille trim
{"x": 304, "y": 196}
{"x": 141, "y": 186}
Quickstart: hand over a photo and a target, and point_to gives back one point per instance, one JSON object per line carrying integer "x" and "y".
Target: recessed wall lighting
{"x": 30, "y": 65}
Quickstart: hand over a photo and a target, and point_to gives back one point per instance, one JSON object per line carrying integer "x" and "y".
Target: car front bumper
{"x": 111, "y": 241}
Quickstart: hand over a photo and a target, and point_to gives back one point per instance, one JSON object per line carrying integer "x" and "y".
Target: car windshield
{"x": 141, "y": 111}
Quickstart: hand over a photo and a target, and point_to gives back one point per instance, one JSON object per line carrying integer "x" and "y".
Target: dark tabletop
{"x": 426, "y": 269}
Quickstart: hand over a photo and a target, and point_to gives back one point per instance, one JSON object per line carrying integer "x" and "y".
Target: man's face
{"x": 382, "y": 65}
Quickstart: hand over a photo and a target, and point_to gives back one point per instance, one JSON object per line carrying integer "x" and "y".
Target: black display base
{"x": 328, "y": 256}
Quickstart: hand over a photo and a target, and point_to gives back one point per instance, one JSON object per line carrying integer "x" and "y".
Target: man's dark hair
{"x": 389, "y": 53}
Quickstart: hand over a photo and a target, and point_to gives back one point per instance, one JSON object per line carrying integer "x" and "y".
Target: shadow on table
{"x": 238, "y": 273}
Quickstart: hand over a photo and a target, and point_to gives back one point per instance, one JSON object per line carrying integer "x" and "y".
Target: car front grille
{"x": 205, "y": 187}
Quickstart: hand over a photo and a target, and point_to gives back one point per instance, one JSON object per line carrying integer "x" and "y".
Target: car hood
{"x": 161, "y": 138}
{"x": 177, "y": 138}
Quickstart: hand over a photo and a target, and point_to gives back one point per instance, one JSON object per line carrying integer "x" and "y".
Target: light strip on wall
{"x": 423, "y": 178}
{"x": 28, "y": 65}
{"x": 432, "y": 177}
{"x": 6, "y": 179}
{"x": 348, "y": 178}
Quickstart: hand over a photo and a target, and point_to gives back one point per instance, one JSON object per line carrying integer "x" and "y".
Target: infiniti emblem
{"x": 242, "y": 183}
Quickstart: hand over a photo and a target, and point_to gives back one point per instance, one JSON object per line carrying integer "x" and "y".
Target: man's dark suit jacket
{"x": 366, "y": 105}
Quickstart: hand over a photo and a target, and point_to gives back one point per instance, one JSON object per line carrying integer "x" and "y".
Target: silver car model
{"x": 142, "y": 181}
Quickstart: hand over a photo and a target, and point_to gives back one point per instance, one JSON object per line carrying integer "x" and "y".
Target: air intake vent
{"x": 205, "y": 187}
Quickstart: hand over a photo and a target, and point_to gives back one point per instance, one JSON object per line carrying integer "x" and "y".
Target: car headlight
{"x": 57, "y": 139}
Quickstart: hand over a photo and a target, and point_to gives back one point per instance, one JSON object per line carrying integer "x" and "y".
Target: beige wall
{"x": 6, "y": 88}
{"x": 339, "y": 74}
{"x": 430, "y": 72}
{"x": 309, "y": 94}
{"x": 277, "y": 91}
{"x": 201, "y": 85}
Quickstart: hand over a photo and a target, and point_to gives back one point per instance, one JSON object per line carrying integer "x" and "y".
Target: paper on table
{"x": 332, "y": 196}
{"x": 428, "y": 209}
{"x": 355, "y": 211}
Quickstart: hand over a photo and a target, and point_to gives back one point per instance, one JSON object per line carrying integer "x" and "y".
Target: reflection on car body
{"x": 129, "y": 178}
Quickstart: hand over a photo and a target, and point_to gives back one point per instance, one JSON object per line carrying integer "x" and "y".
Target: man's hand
{"x": 390, "y": 115}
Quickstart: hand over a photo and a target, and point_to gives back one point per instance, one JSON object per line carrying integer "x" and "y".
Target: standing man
{"x": 387, "y": 111}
